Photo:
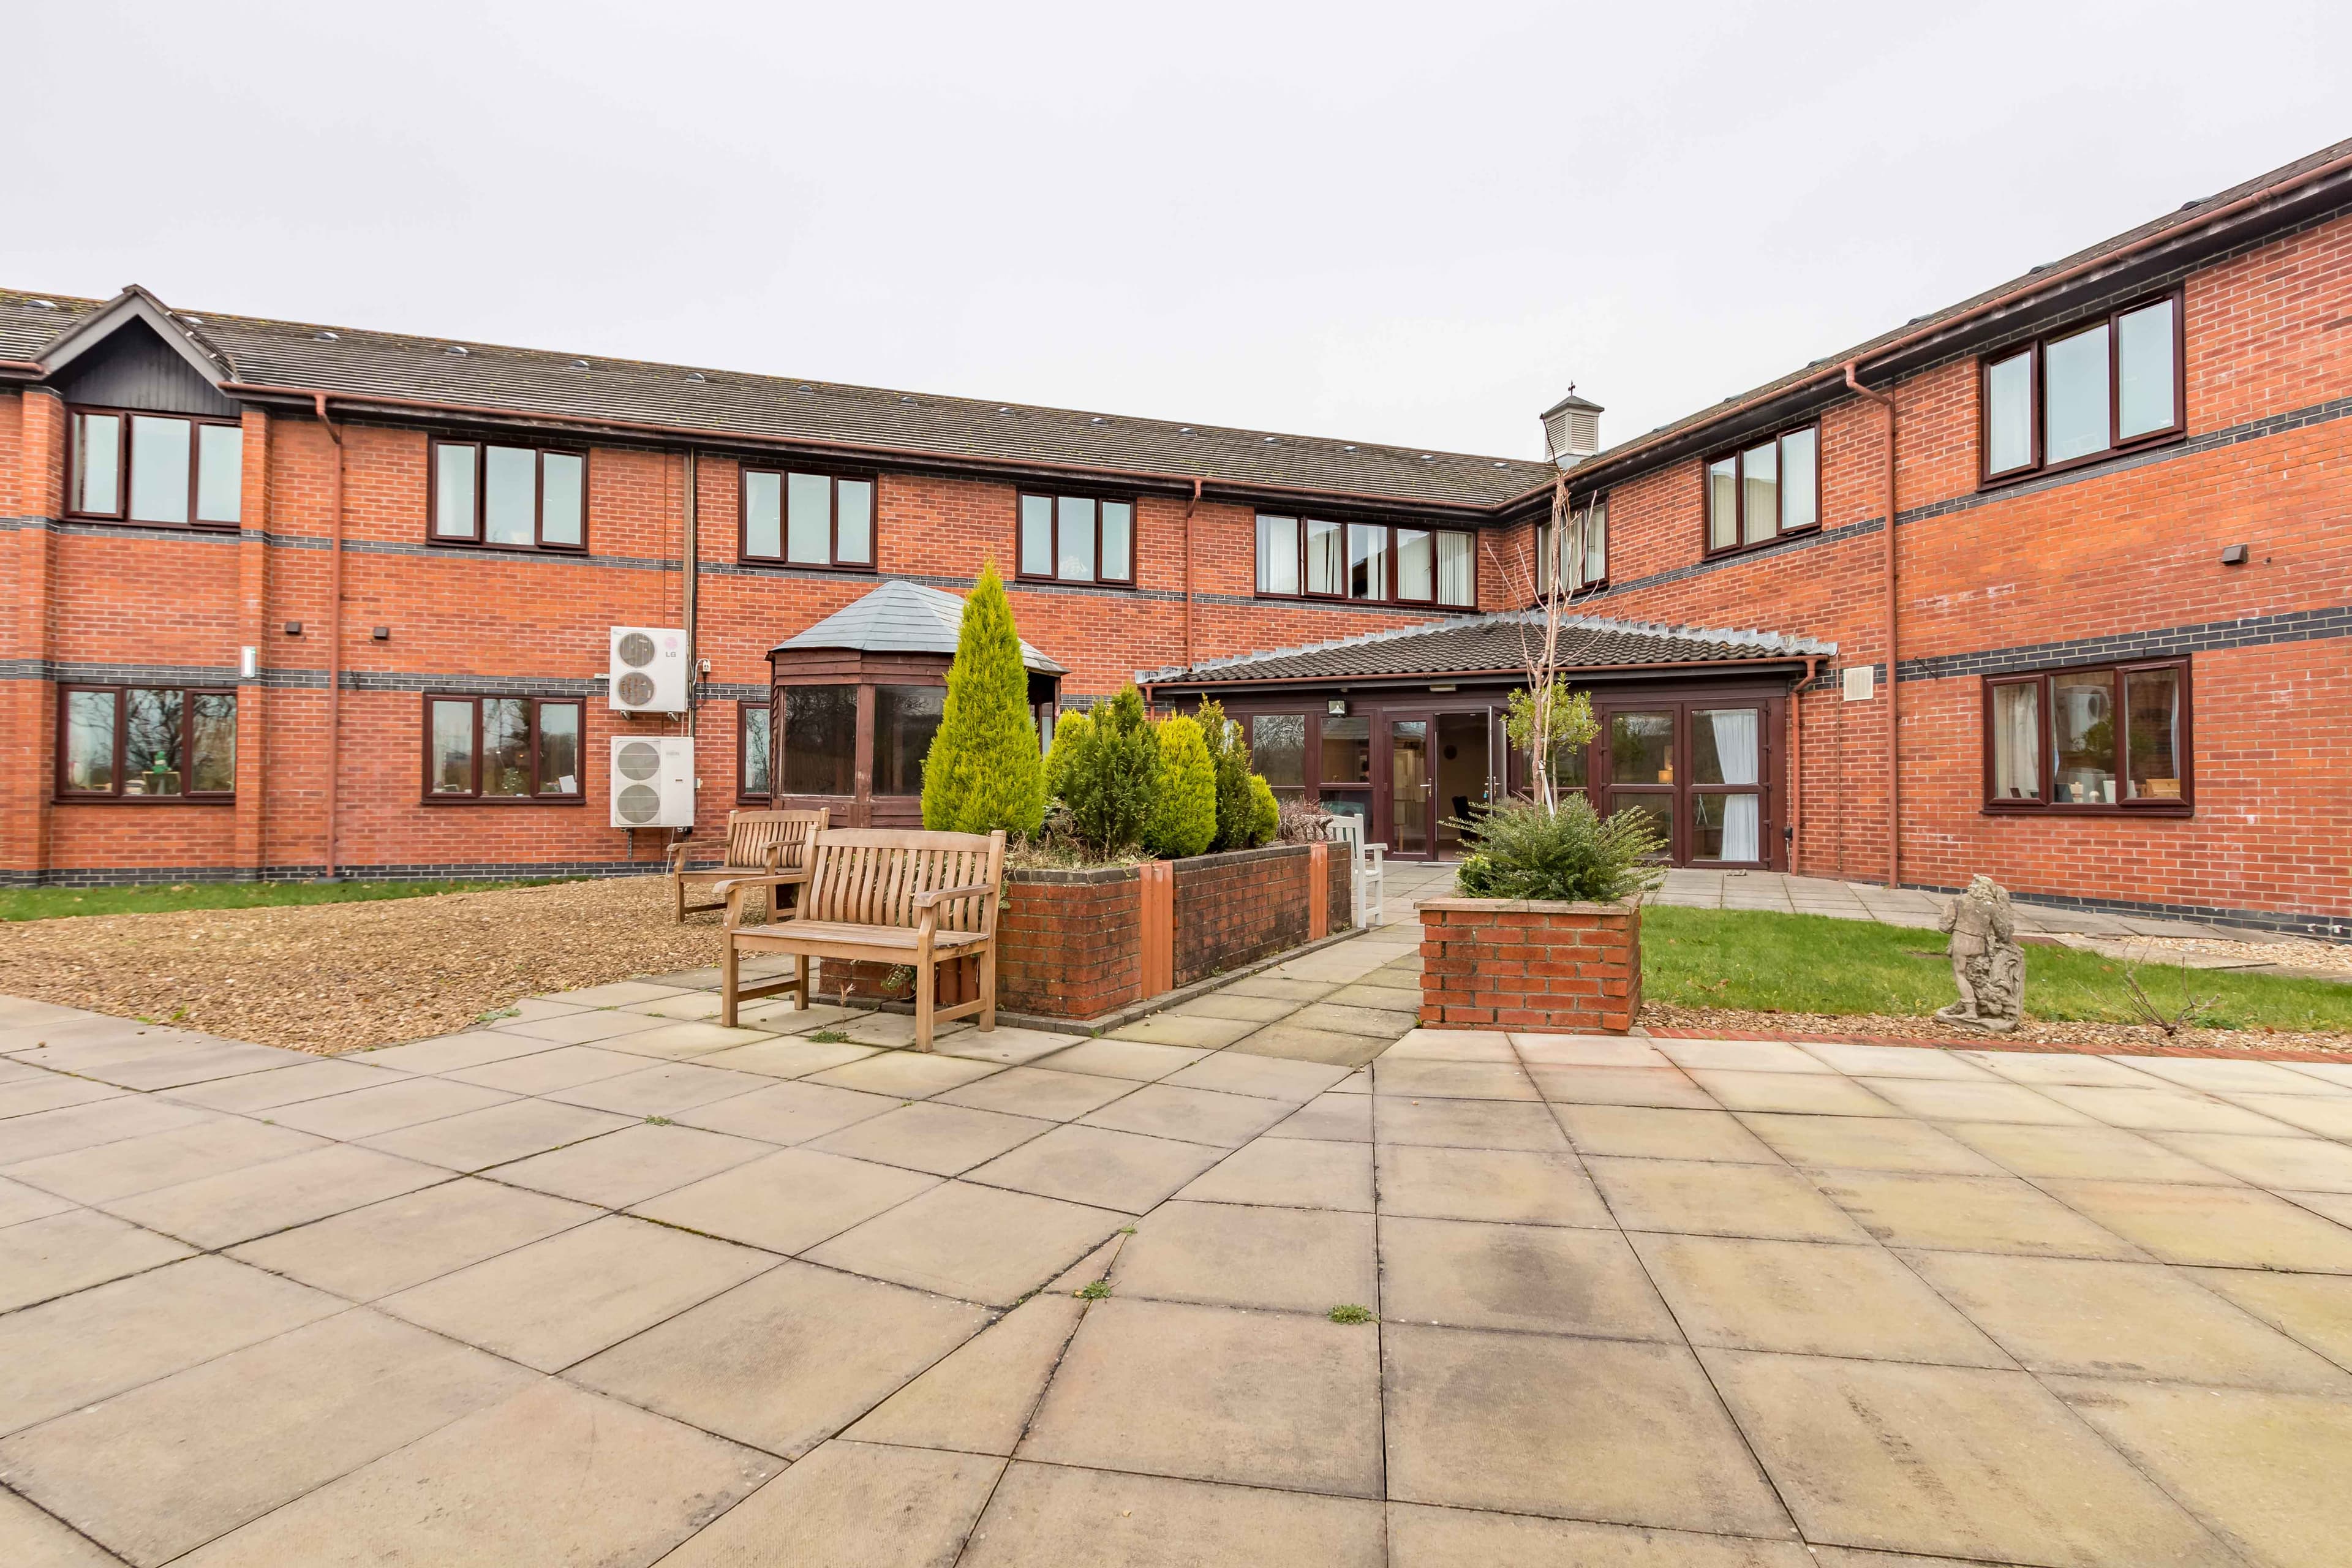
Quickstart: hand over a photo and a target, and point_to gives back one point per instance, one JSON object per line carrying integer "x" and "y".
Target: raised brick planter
{"x": 1510, "y": 963}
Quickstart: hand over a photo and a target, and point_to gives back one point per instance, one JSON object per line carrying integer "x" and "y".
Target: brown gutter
{"x": 1797, "y": 755}
{"x": 1420, "y": 676}
{"x": 1893, "y": 734}
{"x": 334, "y": 634}
{"x": 1188, "y": 571}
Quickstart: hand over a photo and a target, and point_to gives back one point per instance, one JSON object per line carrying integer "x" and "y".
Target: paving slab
{"x": 1937, "y": 1100}
{"x": 979, "y": 1243}
{"x": 1240, "y": 1071}
{"x": 444, "y": 1053}
{"x": 1509, "y": 1186}
{"x": 2330, "y": 1116}
{"x": 1588, "y": 1050}
{"x": 2314, "y": 1309}
{"x": 61, "y": 1253}
{"x": 133, "y": 1165}
{"x": 661, "y": 1091}
{"x": 1665, "y": 1088}
{"x": 980, "y": 1398}
{"x": 374, "y": 1251}
{"x": 1810, "y": 1298}
{"x": 909, "y": 1075}
{"x": 1332, "y": 1118}
{"x": 1290, "y": 1173}
{"x": 1454, "y": 1045}
{"x": 1466, "y": 1124}
{"x": 1639, "y": 1130}
{"x": 1422, "y": 1537}
{"x": 1194, "y": 1115}
{"x": 479, "y": 1139}
{"x": 2225, "y": 1226}
{"x": 1896, "y": 1061}
{"x": 40, "y": 1135}
{"x": 2306, "y": 1164}
{"x": 1054, "y": 1516}
{"x": 944, "y": 1140}
{"x": 31, "y": 1088}
{"x": 2082, "y": 1153}
{"x": 1742, "y": 1056}
{"x": 579, "y": 1029}
{"x": 543, "y": 1072}
{"x": 1375, "y": 1022}
{"x": 851, "y": 1503}
{"x": 788, "y": 1201}
{"x": 1234, "y": 1255}
{"x": 256, "y": 1092}
{"x": 1333, "y": 1047}
{"x": 1866, "y": 1142}
{"x": 1698, "y": 1197}
{"x": 1101, "y": 1166}
{"x": 789, "y": 1055}
{"x": 2060, "y": 1066}
{"x": 895, "y": 1030}
{"x": 1537, "y": 1278}
{"x": 631, "y": 1165}
{"x": 787, "y": 1112}
{"x": 1807, "y": 1094}
{"x": 1004, "y": 1045}
{"x": 1191, "y": 1030}
{"x": 19, "y": 1201}
{"x": 31, "y": 1539}
{"x": 2162, "y": 1110}
{"x": 384, "y": 1107}
{"x": 1968, "y": 1214}
{"x": 692, "y": 1040}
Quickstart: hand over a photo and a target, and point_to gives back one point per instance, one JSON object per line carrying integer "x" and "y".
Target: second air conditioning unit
{"x": 648, "y": 672}
{"x": 653, "y": 781}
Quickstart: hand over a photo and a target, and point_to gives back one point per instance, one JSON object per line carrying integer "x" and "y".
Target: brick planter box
{"x": 1507, "y": 964}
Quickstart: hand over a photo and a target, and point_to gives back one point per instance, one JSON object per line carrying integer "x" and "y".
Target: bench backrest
{"x": 751, "y": 833}
{"x": 869, "y": 875}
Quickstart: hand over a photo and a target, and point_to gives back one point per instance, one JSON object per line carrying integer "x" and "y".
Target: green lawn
{"x": 50, "y": 903}
{"x": 1810, "y": 964}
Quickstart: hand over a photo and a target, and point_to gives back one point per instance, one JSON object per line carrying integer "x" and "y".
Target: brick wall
{"x": 1237, "y": 907}
{"x": 1499, "y": 964}
{"x": 1068, "y": 947}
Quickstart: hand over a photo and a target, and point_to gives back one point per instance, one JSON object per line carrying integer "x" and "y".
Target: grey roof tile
{"x": 900, "y": 616}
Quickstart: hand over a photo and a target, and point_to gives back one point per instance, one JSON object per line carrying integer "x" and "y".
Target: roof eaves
{"x": 206, "y": 357}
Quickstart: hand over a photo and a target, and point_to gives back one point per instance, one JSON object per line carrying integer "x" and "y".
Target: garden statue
{"x": 1988, "y": 966}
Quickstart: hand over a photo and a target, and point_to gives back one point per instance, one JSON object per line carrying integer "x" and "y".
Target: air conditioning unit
{"x": 648, "y": 672}
{"x": 653, "y": 781}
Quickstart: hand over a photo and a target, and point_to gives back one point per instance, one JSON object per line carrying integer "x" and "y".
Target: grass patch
{"x": 1095, "y": 1291}
{"x": 1755, "y": 961}
{"x": 55, "y": 903}
{"x": 1351, "y": 1313}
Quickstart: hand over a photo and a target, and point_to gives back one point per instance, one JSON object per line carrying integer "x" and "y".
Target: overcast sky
{"x": 1399, "y": 222}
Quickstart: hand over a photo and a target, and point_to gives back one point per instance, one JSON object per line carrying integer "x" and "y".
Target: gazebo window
{"x": 819, "y": 754}
{"x": 905, "y": 720}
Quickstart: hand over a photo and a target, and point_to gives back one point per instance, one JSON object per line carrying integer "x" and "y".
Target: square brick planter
{"x": 1510, "y": 963}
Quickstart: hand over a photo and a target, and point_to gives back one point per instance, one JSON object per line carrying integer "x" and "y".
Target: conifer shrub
{"x": 1229, "y": 752}
{"x": 1104, "y": 768}
{"x": 1183, "y": 817}
{"x": 984, "y": 771}
{"x": 1266, "y": 812}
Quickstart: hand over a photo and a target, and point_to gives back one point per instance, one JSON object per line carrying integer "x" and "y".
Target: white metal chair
{"x": 1368, "y": 884}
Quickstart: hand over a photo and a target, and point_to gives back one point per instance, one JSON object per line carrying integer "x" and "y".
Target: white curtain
{"x": 1736, "y": 754}
{"x": 1455, "y": 565}
{"x": 2016, "y": 741}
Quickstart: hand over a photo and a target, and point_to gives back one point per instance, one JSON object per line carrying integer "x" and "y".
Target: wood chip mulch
{"x": 2106, "y": 1040}
{"x": 334, "y": 977}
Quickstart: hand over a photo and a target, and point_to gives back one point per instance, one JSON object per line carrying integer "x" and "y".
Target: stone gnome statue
{"x": 1988, "y": 966}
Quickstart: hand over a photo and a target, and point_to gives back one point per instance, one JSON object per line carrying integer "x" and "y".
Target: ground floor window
{"x": 503, "y": 748}
{"x": 146, "y": 743}
{"x": 751, "y": 751}
{"x": 905, "y": 720}
{"x": 817, "y": 749}
{"x": 2094, "y": 738}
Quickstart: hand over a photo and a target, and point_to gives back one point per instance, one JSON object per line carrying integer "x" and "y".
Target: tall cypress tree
{"x": 984, "y": 771}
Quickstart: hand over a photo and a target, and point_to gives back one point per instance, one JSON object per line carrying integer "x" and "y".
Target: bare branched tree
{"x": 1548, "y": 714}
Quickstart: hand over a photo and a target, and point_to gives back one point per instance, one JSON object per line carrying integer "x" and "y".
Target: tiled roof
{"x": 358, "y": 363}
{"x": 1480, "y": 645}
{"x": 900, "y": 616}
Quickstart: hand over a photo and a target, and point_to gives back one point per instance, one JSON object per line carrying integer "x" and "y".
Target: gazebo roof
{"x": 900, "y": 616}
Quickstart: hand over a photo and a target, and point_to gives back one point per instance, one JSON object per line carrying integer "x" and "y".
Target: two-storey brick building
{"x": 288, "y": 598}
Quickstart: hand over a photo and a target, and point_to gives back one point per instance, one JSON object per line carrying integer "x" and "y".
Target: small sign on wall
{"x": 1861, "y": 682}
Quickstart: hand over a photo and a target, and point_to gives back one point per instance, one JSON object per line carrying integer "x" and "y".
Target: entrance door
{"x": 1640, "y": 745}
{"x": 1698, "y": 768}
{"x": 1413, "y": 824}
{"x": 1464, "y": 780}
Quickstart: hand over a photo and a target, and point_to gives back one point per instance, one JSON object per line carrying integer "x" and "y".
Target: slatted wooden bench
{"x": 763, "y": 844}
{"x": 873, "y": 896}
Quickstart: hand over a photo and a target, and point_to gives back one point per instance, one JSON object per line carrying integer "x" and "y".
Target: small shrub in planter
{"x": 1103, "y": 767}
{"x": 1238, "y": 789}
{"x": 1183, "y": 819}
{"x": 1568, "y": 856}
{"x": 1266, "y": 815}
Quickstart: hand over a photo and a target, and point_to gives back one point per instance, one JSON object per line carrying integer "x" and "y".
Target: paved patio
{"x": 601, "y": 1282}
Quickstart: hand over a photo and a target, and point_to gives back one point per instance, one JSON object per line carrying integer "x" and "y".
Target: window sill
{"x": 2129, "y": 449}
{"x": 1758, "y": 546}
{"x": 1109, "y": 585}
{"x": 1318, "y": 600}
{"x": 2036, "y": 808}
{"x": 147, "y": 522}
{"x": 505, "y": 800}
{"x": 778, "y": 564}
{"x": 143, "y": 800}
{"x": 484, "y": 548}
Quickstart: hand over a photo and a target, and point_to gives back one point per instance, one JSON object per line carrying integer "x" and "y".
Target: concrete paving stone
{"x": 2312, "y": 1165}
{"x": 851, "y": 1503}
{"x": 2314, "y": 1309}
{"x": 42, "y": 1133}
{"x": 631, "y": 1165}
{"x": 660, "y": 1091}
{"x": 1278, "y": 988}
{"x": 2330, "y": 1116}
{"x": 1382, "y": 991}
{"x": 543, "y": 1072}
{"x": 559, "y": 1301}
{"x": 1039, "y": 1093}
{"x": 1052, "y": 1516}
{"x": 2336, "y": 1206}
{"x": 23, "y": 1012}
{"x": 1644, "y": 1131}
{"x": 225, "y": 1442}
{"x": 617, "y": 994}
{"x": 1329, "y": 1118}
{"x": 2163, "y": 1110}
{"x": 384, "y": 1107}
{"x": 1866, "y": 1142}
{"x": 2140, "y": 1321}
{"x": 1935, "y": 1100}
{"x": 533, "y": 1007}
{"x": 787, "y": 1202}
{"x": 237, "y": 1205}
{"x": 981, "y": 1244}
{"x": 42, "y": 1090}
{"x": 1953, "y": 1461}
{"x": 1211, "y": 1394}
{"x": 81, "y": 1349}
{"x": 1467, "y": 1123}
{"x": 979, "y": 1398}
{"x": 1238, "y": 1071}
{"x": 1809, "y": 1297}
{"x": 19, "y": 1201}
{"x": 1101, "y": 1166}
{"x": 94, "y": 1042}
{"x": 1587, "y": 1051}
{"x": 551, "y": 1475}
{"x": 1537, "y": 1278}
{"x": 162, "y": 1159}
{"x": 481, "y": 1139}
{"x": 2060, "y": 1066}
{"x": 1506, "y": 1186}
{"x": 687, "y": 1004}
{"x": 1189, "y": 1030}
{"x": 2082, "y": 1153}
{"x": 1464, "y": 1537}
{"x": 944, "y": 1140}
{"x": 1005, "y": 1044}
{"x": 1896, "y": 1061}
{"x": 2233, "y": 1227}
{"x": 2218, "y": 1075}
{"x": 198, "y": 1064}
{"x": 1297, "y": 1043}
{"x": 1663, "y": 1089}
{"x": 690, "y": 1040}
{"x": 253, "y": 1093}
{"x": 1226, "y": 1005}
{"x": 781, "y": 1015}
{"x": 582, "y": 1028}
{"x": 894, "y": 1030}
{"x": 2332, "y": 1072}
{"x": 2264, "y": 1470}
{"x": 1194, "y": 1115}
{"x": 1741, "y": 1056}
{"x": 1614, "y": 1431}
{"x": 1091, "y": 1268}
{"x": 1808, "y": 1094}
{"x": 787, "y": 1112}
{"x": 1698, "y": 1198}
{"x": 1452, "y": 1079}
{"x": 31, "y": 1539}
{"x": 1341, "y": 1018}
{"x": 1230, "y": 1254}
{"x": 1290, "y": 1173}
{"x": 784, "y": 1361}
{"x": 789, "y": 1056}
{"x": 446, "y": 1053}
{"x": 403, "y": 1241}
{"x": 909, "y": 1075}
{"x": 1967, "y": 1213}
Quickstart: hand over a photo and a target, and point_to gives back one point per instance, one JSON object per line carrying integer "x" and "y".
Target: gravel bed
{"x": 333, "y": 977}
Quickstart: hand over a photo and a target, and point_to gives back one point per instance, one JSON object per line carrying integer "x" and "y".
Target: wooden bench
{"x": 759, "y": 843}
{"x": 873, "y": 896}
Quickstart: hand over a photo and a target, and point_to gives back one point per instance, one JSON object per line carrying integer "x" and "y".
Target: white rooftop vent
{"x": 1571, "y": 429}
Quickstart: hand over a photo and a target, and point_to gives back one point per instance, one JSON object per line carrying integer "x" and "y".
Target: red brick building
{"x": 283, "y": 598}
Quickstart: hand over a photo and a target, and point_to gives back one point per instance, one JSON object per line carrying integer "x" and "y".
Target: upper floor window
{"x": 156, "y": 468}
{"x": 2105, "y": 737}
{"x": 2082, "y": 394}
{"x": 1764, "y": 489}
{"x": 503, "y": 748}
{"x": 1375, "y": 562}
{"x": 146, "y": 742}
{"x": 1078, "y": 539}
{"x": 1578, "y": 559}
{"x": 517, "y": 498}
{"x": 808, "y": 520}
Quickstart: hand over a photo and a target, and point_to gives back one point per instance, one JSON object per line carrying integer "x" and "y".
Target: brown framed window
{"x": 906, "y": 718}
{"x": 2093, "y": 738}
{"x": 2085, "y": 392}
{"x": 1578, "y": 559}
{"x": 1764, "y": 489}
{"x": 802, "y": 518}
{"x": 146, "y": 743}
{"x": 509, "y": 498}
{"x": 1279, "y": 749}
{"x": 1370, "y": 563}
{"x": 752, "y": 751}
{"x": 816, "y": 740}
{"x": 1077, "y": 539}
{"x": 171, "y": 470}
{"x": 503, "y": 750}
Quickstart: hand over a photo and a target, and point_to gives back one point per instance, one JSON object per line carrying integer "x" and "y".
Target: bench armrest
{"x": 677, "y": 856}
{"x": 734, "y": 888}
{"x": 948, "y": 895}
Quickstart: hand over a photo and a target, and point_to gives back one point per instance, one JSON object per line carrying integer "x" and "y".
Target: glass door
{"x": 1412, "y": 825}
{"x": 1641, "y": 752}
{"x": 1727, "y": 796}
